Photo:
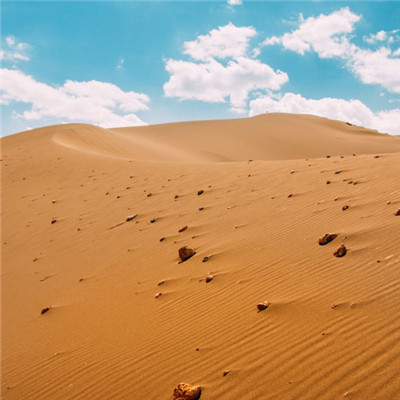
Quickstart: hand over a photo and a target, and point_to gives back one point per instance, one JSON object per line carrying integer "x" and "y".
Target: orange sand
{"x": 332, "y": 326}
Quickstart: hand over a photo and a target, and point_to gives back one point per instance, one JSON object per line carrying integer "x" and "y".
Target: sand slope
{"x": 332, "y": 328}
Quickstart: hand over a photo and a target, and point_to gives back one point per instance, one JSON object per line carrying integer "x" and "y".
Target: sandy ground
{"x": 332, "y": 327}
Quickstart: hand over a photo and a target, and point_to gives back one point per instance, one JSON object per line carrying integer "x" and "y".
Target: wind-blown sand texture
{"x": 90, "y": 229}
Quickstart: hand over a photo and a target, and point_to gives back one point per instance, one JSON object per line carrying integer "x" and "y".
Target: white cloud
{"x": 325, "y": 34}
{"x": 95, "y": 102}
{"x": 14, "y": 51}
{"x": 209, "y": 80}
{"x": 329, "y": 36}
{"x": 121, "y": 63}
{"x": 353, "y": 111}
{"x": 223, "y": 42}
{"x": 234, "y": 2}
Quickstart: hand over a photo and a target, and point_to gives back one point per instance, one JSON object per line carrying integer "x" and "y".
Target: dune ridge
{"x": 331, "y": 329}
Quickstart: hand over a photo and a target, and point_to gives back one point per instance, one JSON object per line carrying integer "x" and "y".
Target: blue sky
{"x": 128, "y": 63}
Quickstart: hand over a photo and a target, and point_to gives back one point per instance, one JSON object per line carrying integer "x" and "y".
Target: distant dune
{"x": 96, "y": 305}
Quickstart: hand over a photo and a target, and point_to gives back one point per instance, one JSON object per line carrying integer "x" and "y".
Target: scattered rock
{"x": 148, "y": 194}
{"x": 185, "y": 391}
{"x": 341, "y": 251}
{"x": 44, "y": 310}
{"x": 153, "y": 220}
{"x": 337, "y": 172}
{"x": 201, "y": 208}
{"x": 328, "y": 156}
{"x": 344, "y": 208}
{"x": 131, "y": 217}
{"x": 376, "y": 157}
{"x": 262, "y": 306}
{"x": 327, "y": 238}
{"x": 226, "y": 372}
{"x": 333, "y": 306}
{"x": 176, "y": 196}
{"x": 162, "y": 239}
{"x": 397, "y": 213}
{"x": 183, "y": 229}
{"x": 209, "y": 278}
{"x": 35, "y": 259}
{"x": 185, "y": 253}
{"x": 206, "y": 258}
{"x": 328, "y": 182}
{"x": 200, "y": 192}
{"x": 290, "y": 195}
{"x": 158, "y": 295}
{"x": 53, "y": 221}
{"x": 161, "y": 282}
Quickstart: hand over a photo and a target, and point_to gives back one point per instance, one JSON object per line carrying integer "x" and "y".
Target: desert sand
{"x": 97, "y": 305}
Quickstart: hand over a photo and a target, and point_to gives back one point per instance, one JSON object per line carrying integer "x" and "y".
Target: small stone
{"x": 333, "y": 306}
{"x": 185, "y": 391}
{"x": 341, "y": 251}
{"x": 328, "y": 182}
{"x": 44, "y": 310}
{"x": 185, "y": 253}
{"x": 53, "y": 221}
{"x": 262, "y": 306}
{"x": 200, "y": 192}
{"x": 327, "y": 238}
{"x": 153, "y": 220}
{"x": 290, "y": 195}
{"x": 376, "y": 157}
{"x": 158, "y": 295}
{"x": 161, "y": 282}
{"x": 206, "y": 258}
{"x": 344, "y": 208}
{"x": 226, "y": 372}
{"x": 130, "y": 217}
{"x": 209, "y": 278}
{"x": 35, "y": 259}
{"x": 148, "y": 194}
{"x": 162, "y": 239}
{"x": 176, "y": 196}
{"x": 183, "y": 229}
{"x": 397, "y": 213}
{"x": 201, "y": 208}
{"x": 337, "y": 172}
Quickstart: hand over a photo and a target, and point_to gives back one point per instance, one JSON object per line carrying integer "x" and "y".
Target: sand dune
{"x": 126, "y": 320}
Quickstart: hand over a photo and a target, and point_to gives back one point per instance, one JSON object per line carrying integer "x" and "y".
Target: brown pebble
{"x": 200, "y": 192}
{"x": 131, "y": 217}
{"x": 226, "y": 372}
{"x": 185, "y": 253}
{"x": 206, "y": 258}
{"x": 162, "y": 239}
{"x": 148, "y": 194}
{"x": 397, "y": 213}
{"x": 376, "y": 157}
{"x": 262, "y": 306}
{"x": 341, "y": 251}
{"x": 209, "y": 278}
{"x": 53, "y": 221}
{"x": 185, "y": 391}
{"x": 333, "y": 306}
{"x": 35, "y": 259}
{"x": 328, "y": 182}
{"x": 153, "y": 220}
{"x": 327, "y": 238}
{"x": 176, "y": 196}
{"x": 201, "y": 208}
{"x": 344, "y": 208}
{"x": 337, "y": 172}
{"x": 290, "y": 195}
{"x": 158, "y": 295}
{"x": 44, "y": 310}
{"x": 183, "y": 229}
{"x": 161, "y": 282}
